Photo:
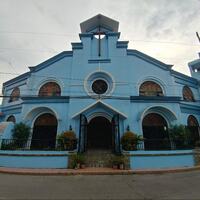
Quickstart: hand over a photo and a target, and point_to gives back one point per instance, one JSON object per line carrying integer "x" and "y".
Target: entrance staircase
{"x": 98, "y": 158}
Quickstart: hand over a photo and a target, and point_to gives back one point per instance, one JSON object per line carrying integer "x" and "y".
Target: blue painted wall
{"x": 34, "y": 159}
{"x": 161, "y": 159}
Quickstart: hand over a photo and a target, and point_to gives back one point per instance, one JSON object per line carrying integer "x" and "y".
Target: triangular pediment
{"x": 100, "y": 105}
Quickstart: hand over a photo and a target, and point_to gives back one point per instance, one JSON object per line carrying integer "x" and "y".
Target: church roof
{"x": 99, "y": 21}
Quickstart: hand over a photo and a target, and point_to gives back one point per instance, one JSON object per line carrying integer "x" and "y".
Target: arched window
{"x": 11, "y": 118}
{"x": 150, "y": 88}
{"x": 46, "y": 120}
{"x": 192, "y": 121}
{"x": 15, "y": 94}
{"x": 50, "y": 89}
{"x": 154, "y": 119}
{"x": 187, "y": 94}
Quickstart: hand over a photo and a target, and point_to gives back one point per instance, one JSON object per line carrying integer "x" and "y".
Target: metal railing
{"x": 69, "y": 145}
{"x": 42, "y": 144}
{"x": 165, "y": 144}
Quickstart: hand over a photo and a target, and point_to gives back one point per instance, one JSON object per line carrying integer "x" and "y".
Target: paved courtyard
{"x": 184, "y": 185}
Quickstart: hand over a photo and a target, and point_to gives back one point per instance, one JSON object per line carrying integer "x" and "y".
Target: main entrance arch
{"x": 44, "y": 132}
{"x": 99, "y": 133}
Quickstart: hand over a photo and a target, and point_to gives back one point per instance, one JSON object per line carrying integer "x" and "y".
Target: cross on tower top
{"x": 99, "y": 33}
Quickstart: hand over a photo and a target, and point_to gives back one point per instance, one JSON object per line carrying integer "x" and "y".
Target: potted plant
{"x": 83, "y": 165}
{"x": 67, "y": 141}
{"x": 118, "y": 162}
{"x": 78, "y": 161}
{"x": 114, "y": 162}
{"x": 130, "y": 141}
{"x": 121, "y": 161}
{"x": 121, "y": 166}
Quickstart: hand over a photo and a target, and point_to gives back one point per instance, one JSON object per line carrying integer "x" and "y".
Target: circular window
{"x": 99, "y": 83}
{"x": 99, "y": 86}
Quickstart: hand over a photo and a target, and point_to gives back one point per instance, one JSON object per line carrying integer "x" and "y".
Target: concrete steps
{"x": 99, "y": 158}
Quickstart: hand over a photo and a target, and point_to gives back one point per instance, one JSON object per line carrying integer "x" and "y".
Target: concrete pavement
{"x": 184, "y": 185}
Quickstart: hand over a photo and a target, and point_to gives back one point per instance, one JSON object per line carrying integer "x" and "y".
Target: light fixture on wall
{"x": 70, "y": 127}
{"x": 128, "y": 128}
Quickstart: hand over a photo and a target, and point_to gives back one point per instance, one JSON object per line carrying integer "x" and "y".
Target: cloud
{"x": 31, "y": 31}
{"x": 159, "y": 23}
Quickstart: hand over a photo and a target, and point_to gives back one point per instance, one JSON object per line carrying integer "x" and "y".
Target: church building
{"x": 100, "y": 89}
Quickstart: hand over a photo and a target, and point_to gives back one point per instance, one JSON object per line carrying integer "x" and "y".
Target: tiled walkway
{"x": 91, "y": 171}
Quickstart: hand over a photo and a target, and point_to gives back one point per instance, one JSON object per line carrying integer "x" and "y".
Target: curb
{"x": 92, "y": 171}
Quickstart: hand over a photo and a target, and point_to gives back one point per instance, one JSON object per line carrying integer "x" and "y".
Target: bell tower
{"x": 195, "y": 68}
{"x": 97, "y": 34}
{"x": 195, "y": 65}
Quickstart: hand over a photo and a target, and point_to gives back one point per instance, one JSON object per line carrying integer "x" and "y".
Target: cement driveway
{"x": 184, "y": 185}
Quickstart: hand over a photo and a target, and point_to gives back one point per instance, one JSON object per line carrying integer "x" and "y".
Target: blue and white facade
{"x": 102, "y": 79}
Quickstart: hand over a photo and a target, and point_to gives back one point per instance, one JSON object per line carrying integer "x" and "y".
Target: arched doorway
{"x": 99, "y": 134}
{"x": 155, "y": 132}
{"x": 44, "y": 132}
{"x": 193, "y": 126}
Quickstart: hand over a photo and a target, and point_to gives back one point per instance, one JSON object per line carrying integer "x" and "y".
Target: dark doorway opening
{"x": 44, "y": 132}
{"x": 99, "y": 134}
{"x": 155, "y": 132}
{"x": 193, "y": 127}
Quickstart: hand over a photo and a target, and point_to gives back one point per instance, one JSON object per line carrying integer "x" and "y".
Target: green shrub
{"x": 8, "y": 146}
{"x": 180, "y": 135}
{"x": 21, "y": 132}
{"x": 67, "y": 141}
{"x": 20, "y": 135}
{"x": 130, "y": 141}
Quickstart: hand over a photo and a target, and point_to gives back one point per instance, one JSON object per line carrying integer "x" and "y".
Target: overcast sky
{"x": 32, "y": 31}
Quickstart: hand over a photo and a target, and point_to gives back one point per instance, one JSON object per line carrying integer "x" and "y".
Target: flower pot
{"x": 77, "y": 166}
{"x": 121, "y": 166}
{"x": 115, "y": 166}
{"x": 83, "y": 166}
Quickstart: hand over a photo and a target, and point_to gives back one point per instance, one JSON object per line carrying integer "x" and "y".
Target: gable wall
{"x": 58, "y": 72}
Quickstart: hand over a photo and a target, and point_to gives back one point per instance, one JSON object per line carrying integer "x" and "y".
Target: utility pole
{"x": 198, "y": 36}
{"x": 198, "y": 39}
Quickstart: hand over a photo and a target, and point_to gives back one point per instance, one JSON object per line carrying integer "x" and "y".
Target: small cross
{"x": 99, "y": 33}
